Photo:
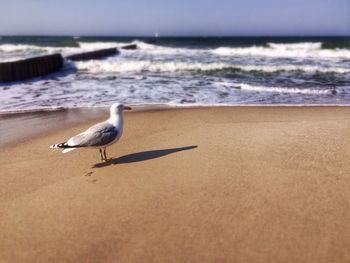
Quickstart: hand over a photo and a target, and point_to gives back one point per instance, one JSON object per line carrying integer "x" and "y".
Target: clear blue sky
{"x": 180, "y": 17}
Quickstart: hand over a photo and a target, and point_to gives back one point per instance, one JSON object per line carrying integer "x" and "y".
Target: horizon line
{"x": 167, "y": 36}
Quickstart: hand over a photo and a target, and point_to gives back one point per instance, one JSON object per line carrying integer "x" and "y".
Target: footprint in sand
{"x": 89, "y": 173}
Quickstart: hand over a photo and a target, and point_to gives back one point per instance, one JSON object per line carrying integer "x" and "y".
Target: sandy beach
{"x": 225, "y": 184}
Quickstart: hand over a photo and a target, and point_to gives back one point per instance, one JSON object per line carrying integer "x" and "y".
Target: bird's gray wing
{"x": 98, "y": 135}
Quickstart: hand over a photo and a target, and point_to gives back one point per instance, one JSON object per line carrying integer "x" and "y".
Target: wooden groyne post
{"x": 31, "y": 67}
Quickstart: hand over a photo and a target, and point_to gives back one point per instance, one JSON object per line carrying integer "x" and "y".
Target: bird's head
{"x": 117, "y": 108}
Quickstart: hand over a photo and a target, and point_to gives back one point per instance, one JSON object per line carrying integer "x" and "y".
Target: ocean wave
{"x": 82, "y": 46}
{"x": 88, "y": 46}
{"x": 243, "y": 86}
{"x": 296, "y": 50}
{"x": 275, "y": 50}
{"x": 292, "y": 68}
{"x": 302, "y": 49}
{"x": 143, "y": 47}
{"x": 18, "y": 47}
{"x": 11, "y": 52}
{"x": 120, "y": 66}
{"x": 306, "y": 46}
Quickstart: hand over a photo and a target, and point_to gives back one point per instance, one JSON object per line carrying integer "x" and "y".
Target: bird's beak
{"x": 127, "y": 108}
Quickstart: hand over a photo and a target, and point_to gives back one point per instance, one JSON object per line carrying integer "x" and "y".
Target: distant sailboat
{"x": 156, "y": 35}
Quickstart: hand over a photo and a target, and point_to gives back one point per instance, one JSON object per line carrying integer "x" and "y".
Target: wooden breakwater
{"x": 97, "y": 54}
{"x": 131, "y": 46}
{"x": 31, "y": 67}
{"x": 44, "y": 65}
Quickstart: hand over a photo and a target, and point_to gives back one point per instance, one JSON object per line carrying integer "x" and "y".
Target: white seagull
{"x": 99, "y": 136}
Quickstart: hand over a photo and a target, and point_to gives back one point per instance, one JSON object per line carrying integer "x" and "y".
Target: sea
{"x": 182, "y": 71}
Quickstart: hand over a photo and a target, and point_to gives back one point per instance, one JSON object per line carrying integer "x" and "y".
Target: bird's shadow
{"x": 143, "y": 156}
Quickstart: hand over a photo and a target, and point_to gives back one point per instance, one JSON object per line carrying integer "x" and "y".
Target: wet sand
{"x": 231, "y": 184}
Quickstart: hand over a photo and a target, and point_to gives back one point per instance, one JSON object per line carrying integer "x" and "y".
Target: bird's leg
{"x": 101, "y": 155}
{"x": 105, "y": 154}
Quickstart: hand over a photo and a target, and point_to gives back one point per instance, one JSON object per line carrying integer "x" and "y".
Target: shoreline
{"x": 46, "y": 121}
{"x": 161, "y": 106}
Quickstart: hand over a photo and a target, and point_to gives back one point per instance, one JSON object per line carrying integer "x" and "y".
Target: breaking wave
{"x": 120, "y": 66}
{"x": 274, "y": 89}
{"x": 275, "y": 50}
{"x": 297, "y": 50}
{"x": 198, "y": 71}
{"x": 10, "y": 52}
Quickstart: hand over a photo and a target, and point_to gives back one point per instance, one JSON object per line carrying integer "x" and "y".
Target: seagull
{"x": 99, "y": 136}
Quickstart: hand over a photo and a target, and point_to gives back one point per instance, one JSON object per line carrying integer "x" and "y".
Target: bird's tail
{"x": 62, "y": 146}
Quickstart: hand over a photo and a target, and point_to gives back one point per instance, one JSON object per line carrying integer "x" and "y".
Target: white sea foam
{"x": 12, "y": 52}
{"x": 292, "y": 50}
{"x": 147, "y": 48}
{"x": 248, "y": 87}
{"x": 127, "y": 77}
{"x": 307, "y": 46}
{"x": 120, "y": 65}
{"x": 17, "y": 47}
{"x": 24, "y": 51}
{"x": 145, "y": 65}
{"x": 82, "y": 46}
{"x": 87, "y": 46}
{"x": 297, "y": 50}
{"x": 286, "y": 68}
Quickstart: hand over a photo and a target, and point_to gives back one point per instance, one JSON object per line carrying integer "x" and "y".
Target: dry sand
{"x": 255, "y": 184}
